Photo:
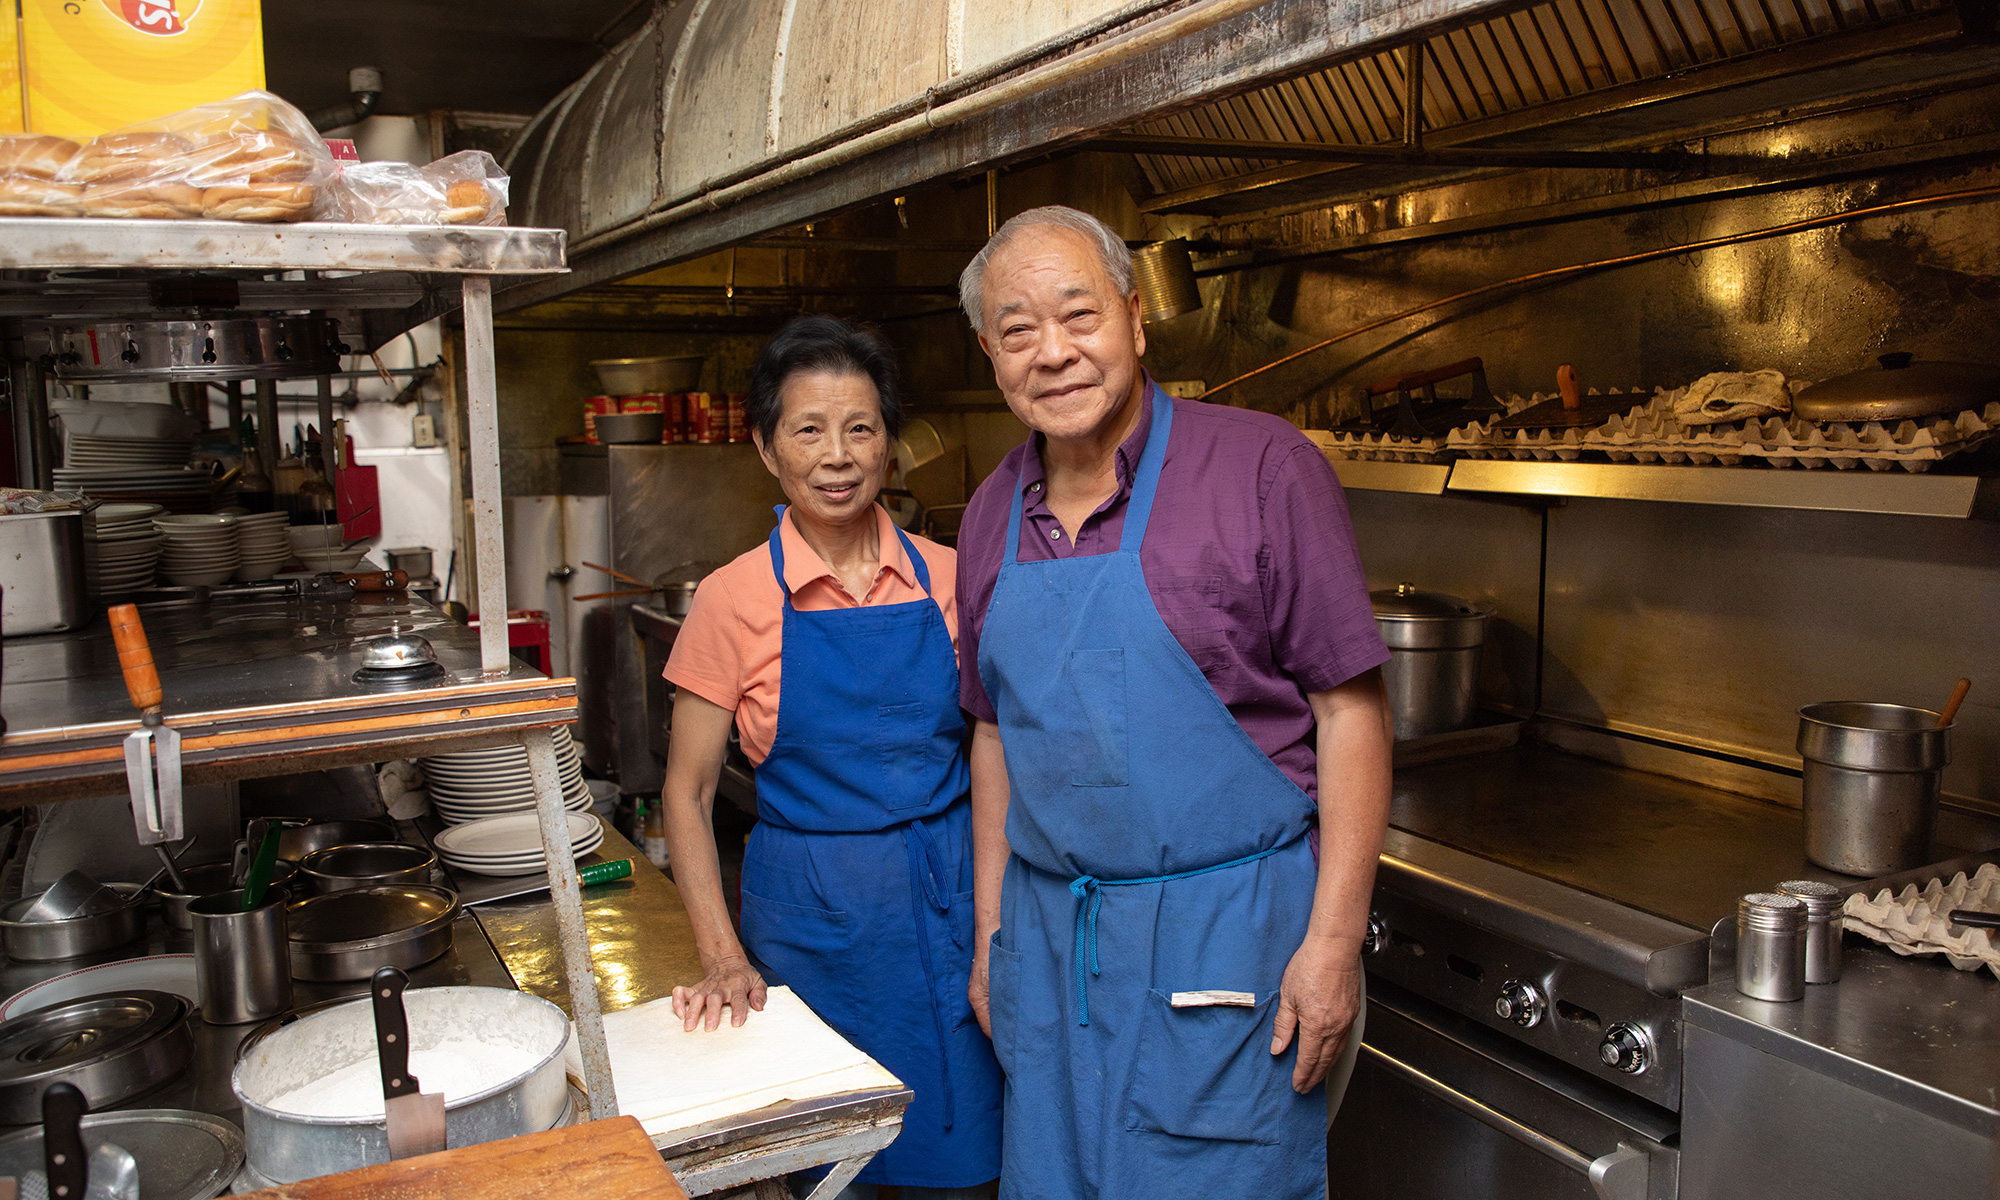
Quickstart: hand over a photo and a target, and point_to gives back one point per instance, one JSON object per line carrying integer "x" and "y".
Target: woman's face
{"x": 830, "y": 451}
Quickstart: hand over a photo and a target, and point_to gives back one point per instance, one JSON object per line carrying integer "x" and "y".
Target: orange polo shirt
{"x": 731, "y": 642}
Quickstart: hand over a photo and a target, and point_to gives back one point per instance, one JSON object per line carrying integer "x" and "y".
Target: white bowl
{"x": 314, "y": 537}
{"x": 188, "y": 521}
{"x": 199, "y": 578}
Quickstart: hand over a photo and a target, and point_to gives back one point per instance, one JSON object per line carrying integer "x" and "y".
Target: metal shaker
{"x": 1824, "y": 925}
{"x": 242, "y": 960}
{"x": 1771, "y": 946}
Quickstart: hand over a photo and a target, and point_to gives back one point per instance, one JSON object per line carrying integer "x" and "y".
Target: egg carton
{"x": 1379, "y": 447}
{"x": 1651, "y": 434}
{"x": 1919, "y": 922}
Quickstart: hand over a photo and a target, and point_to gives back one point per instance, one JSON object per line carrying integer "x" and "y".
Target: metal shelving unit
{"x": 261, "y": 692}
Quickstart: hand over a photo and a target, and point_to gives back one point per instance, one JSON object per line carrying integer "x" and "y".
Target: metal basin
{"x": 287, "y": 1147}
{"x": 367, "y": 864}
{"x": 1872, "y": 776}
{"x": 48, "y": 941}
{"x": 353, "y": 933}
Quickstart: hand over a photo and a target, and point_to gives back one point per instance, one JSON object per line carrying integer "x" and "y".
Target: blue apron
{"x": 857, "y": 882}
{"x": 1156, "y": 850}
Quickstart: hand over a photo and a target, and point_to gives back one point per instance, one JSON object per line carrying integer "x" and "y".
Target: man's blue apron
{"x": 1156, "y": 850}
{"x": 857, "y": 882}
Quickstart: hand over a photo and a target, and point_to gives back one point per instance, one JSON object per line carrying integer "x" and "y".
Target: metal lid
{"x": 1413, "y": 619}
{"x": 181, "y": 1155}
{"x": 1898, "y": 386}
{"x": 1820, "y": 899}
{"x": 47, "y": 1042}
{"x": 357, "y": 859}
{"x": 1770, "y": 911}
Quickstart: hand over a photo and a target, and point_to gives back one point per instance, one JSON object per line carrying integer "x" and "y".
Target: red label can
{"x": 708, "y": 422}
{"x": 651, "y": 402}
{"x": 673, "y": 426}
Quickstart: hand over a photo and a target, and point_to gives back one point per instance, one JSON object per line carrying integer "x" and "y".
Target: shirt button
{"x": 1034, "y": 487}
{"x": 1055, "y": 535}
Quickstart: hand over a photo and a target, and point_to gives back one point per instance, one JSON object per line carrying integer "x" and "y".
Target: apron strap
{"x": 922, "y": 568}
{"x": 1089, "y": 893}
{"x": 927, "y": 888}
{"x": 1146, "y": 479}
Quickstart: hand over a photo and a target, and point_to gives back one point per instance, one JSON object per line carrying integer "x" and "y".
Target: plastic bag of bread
{"x": 467, "y": 188}
{"x": 251, "y": 157}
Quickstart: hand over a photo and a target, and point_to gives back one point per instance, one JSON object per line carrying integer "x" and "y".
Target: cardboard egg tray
{"x": 1919, "y": 922}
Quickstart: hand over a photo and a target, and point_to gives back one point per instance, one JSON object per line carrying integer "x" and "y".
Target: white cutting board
{"x": 673, "y": 1080}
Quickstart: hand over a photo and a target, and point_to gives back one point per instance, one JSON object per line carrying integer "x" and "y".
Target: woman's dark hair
{"x": 817, "y": 343}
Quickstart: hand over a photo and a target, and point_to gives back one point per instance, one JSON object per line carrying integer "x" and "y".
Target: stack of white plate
{"x": 120, "y": 548}
{"x": 261, "y": 540}
{"x": 89, "y": 450}
{"x": 473, "y": 784}
{"x": 510, "y": 845}
{"x": 172, "y": 486}
{"x": 200, "y": 549}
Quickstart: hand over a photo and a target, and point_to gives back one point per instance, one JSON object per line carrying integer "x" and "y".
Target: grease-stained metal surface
{"x": 44, "y": 243}
{"x": 1506, "y": 63}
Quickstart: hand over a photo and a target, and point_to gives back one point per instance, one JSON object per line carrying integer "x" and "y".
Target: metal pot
{"x": 1872, "y": 774}
{"x": 644, "y": 376}
{"x": 110, "y": 1047}
{"x": 1434, "y": 642}
{"x": 677, "y": 598}
{"x": 367, "y": 864}
{"x": 352, "y": 934}
{"x": 206, "y": 879}
{"x": 297, "y": 841}
{"x": 47, "y": 941}
{"x": 287, "y": 1147}
{"x": 1900, "y": 387}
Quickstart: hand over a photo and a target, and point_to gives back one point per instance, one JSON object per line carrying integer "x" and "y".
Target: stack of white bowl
{"x": 319, "y": 548}
{"x": 121, "y": 549}
{"x": 261, "y": 539}
{"x": 486, "y": 783}
{"x": 511, "y": 845}
{"x": 200, "y": 549}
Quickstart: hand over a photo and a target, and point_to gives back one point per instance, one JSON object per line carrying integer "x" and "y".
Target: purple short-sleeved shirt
{"x": 1250, "y": 559}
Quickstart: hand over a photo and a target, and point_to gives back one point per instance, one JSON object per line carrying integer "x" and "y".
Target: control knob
{"x": 1626, "y": 1048}
{"x": 1377, "y": 938}
{"x": 1520, "y": 1002}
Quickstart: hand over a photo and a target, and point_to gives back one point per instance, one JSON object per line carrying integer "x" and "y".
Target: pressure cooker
{"x": 1434, "y": 642}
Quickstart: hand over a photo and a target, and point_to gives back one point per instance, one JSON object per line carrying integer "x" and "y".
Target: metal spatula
{"x": 106, "y": 1173}
{"x": 152, "y": 751}
{"x": 415, "y": 1120}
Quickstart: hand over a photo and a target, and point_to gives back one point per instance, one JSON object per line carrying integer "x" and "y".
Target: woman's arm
{"x": 687, "y": 799}
{"x": 989, "y": 855}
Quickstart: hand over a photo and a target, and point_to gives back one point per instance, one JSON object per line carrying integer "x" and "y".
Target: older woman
{"x": 832, "y": 649}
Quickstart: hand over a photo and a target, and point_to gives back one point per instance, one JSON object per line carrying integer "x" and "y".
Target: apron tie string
{"x": 926, "y": 886}
{"x": 1089, "y": 893}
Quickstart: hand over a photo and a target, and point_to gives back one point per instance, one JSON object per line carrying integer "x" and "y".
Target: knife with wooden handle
{"x": 153, "y": 751}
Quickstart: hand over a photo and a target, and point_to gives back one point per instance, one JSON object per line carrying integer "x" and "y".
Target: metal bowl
{"x": 367, "y": 864}
{"x": 47, "y": 941}
{"x": 206, "y": 879}
{"x": 629, "y": 428}
{"x": 109, "y": 1046}
{"x": 351, "y": 934}
{"x": 297, "y": 841}
{"x": 645, "y": 376}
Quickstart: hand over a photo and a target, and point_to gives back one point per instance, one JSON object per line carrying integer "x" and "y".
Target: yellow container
{"x": 93, "y": 65}
{"x": 10, "y": 74}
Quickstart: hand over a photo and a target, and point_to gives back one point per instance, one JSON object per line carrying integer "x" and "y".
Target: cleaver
{"x": 415, "y": 1120}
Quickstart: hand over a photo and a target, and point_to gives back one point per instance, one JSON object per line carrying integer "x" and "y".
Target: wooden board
{"x": 612, "y": 1158}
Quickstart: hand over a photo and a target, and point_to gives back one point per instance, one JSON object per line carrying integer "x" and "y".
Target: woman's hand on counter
{"x": 732, "y": 982}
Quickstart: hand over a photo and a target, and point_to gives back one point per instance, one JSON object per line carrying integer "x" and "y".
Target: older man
{"x": 1167, "y": 645}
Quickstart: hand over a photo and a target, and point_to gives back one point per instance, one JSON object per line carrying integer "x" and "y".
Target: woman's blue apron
{"x": 1156, "y": 850}
{"x": 857, "y": 882}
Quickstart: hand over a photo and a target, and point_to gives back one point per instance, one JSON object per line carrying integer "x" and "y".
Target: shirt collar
{"x": 1034, "y": 474}
{"x": 803, "y": 564}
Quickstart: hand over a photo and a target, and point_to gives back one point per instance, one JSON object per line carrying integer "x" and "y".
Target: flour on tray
{"x": 459, "y": 1067}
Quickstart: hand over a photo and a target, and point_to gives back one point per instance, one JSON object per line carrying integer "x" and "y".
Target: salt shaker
{"x": 1771, "y": 946}
{"x": 1824, "y": 926}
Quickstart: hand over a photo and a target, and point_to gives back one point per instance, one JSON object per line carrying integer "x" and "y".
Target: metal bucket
{"x": 1872, "y": 773}
{"x": 288, "y": 1147}
{"x": 1434, "y": 645}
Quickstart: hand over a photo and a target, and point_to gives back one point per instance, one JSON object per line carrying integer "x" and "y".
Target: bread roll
{"x": 24, "y": 196}
{"x": 160, "y": 200}
{"x": 129, "y": 157}
{"x": 258, "y": 202}
{"x": 257, "y": 157}
{"x": 34, "y": 155}
{"x": 466, "y": 202}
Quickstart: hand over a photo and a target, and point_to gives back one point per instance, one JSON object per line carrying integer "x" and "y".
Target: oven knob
{"x": 1377, "y": 938}
{"x": 1520, "y": 1003}
{"x": 1626, "y": 1048}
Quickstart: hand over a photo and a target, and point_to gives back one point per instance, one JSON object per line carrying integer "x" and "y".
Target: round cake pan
{"x": 353, "y": 933}
{"x": 367, "y": 864}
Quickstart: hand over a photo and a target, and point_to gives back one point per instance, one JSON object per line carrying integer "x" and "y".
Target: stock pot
{"x": 1434, "y": 642}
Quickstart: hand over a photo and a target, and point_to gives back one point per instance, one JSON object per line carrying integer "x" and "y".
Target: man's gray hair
{"x": 1110, "y": 248}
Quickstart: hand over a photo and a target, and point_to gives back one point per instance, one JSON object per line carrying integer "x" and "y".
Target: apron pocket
{"x": 1208, "y": 1073}
{"x": 810, "y": 950}
{"x": 913, "y": 759}
{"x": 1003, "y": 1000}
{"x": 1098, "y": 746}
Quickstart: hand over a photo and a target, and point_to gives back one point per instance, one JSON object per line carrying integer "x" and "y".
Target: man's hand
{"x": 1318, "y": 999}
{"x": 732, "y": 982}
{"x": 975, "y": 989}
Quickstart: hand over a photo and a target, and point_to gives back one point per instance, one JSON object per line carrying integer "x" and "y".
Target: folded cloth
{"x": 1724, "y": 396}
{"x": 1919, "y": 922}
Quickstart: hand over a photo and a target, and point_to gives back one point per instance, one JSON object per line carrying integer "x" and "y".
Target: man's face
{"x": 1065, "y": 345}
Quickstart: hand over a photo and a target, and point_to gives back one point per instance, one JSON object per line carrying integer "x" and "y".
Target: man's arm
{"x": 1321, "y": 991}
{"x": 989, "y": 855}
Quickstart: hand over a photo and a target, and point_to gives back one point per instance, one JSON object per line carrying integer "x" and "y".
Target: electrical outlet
{"x": 423, "y": 431}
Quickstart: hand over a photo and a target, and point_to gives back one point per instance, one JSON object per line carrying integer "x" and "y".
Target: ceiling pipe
{"x": 365, "y": 84}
